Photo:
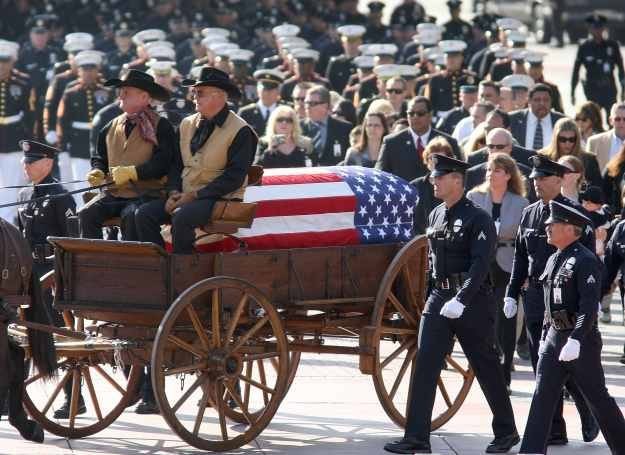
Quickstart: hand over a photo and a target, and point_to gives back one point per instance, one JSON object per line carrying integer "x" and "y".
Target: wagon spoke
{"x": 109, "y": 379}
{"x": 257, "y": 384}
{"x": 216, "y": 313}
{"x": 261, "y": 322}
{"x": 220, "y": 411}
{"x": 263, "y": 379}
{"x": 402, "y": 372}
{"x": 56, "y": 391}
{"x": 198, "y": 382}
{"x": 443, "y": 390}
{"x": 235, "y": 318}
{"x": 73, "y": 407}
{"x": 404, "y": 312}
{"x": 263, "y": 355}
{"x": 186, "y": 346}
{"x": 457, "y": 366}
{"x": 94, "y": 397}
{"x": 249, "y": 366}
{"x": 237, "y": 399}
{"x": 197, "y": 325}
{"x": 200, "y": 412}
{"x": 402, "y": 347}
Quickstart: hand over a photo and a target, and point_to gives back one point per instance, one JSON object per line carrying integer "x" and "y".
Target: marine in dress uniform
{"x": 600, "y": 57}
{"x": 341, "y": 67}
{"x": 449, "y": 122}
{"x": 443, "y": 88}
{"x": 530, "y": 256}
{"x": 462, "y": 239}
{"x": 257, "y": 114}
{"x": 77, "y": 108}
{"x": 570, "y": 345}
{"x": 125, "y": 52}
{"x": 17, "y": 99}
{"x": 240, "y": 75}
{"x": 305, "y": 60}
{"x": 456, "y": 28}
{"x": 39, "y": 219}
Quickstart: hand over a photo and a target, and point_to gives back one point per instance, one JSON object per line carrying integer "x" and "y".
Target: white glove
{"x": 570, "y": 351}
{"x": 51, "y": 137}
{"x": 452, "y": 309}
{"x": 509, "y": 307}
{"x": 541, "y": 347}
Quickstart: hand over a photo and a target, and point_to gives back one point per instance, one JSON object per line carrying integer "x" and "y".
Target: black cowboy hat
{"x": 213, "y": 77}
{"x": 143, "y": 81}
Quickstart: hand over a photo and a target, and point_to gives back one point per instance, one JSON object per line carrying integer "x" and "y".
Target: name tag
{"x": 557, "y": 296}
{"x": 337, "y": 150}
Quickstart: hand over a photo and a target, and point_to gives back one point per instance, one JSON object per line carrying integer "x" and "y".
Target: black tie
{"x": 538, "y": 136}
{"x": 203, "y": 132}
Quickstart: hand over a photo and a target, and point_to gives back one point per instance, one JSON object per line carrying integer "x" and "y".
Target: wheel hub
{"x": 221, "y": 363}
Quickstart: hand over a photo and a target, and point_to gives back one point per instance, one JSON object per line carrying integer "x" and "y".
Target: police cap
{"x": 592, "y": 194}
{"x": 375, "y": 7}
{"x": 596, "y": 20}
{"x": 445, "y": 165}
{"x": 560, "y": 213}
{"x": 34, "y": 151}
{"x": 544, "y": 167}
{"x": 269, "y": 78}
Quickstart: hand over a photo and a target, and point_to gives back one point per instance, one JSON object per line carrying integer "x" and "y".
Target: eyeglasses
{"x": 314, "y": 103}
{"x": 581, "y": 119}
{"x": 299, "y": 99}
{"x": 563, "y": 139}
{"x": 396, "y": 91}
{"x": 619, "y": 119}
{"x": 284, "y": 120}
{"x": 497, "y": 146}
{"x": 418, "y": 113}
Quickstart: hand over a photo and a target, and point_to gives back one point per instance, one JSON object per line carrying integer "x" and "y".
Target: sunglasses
{"x": 284, "y": 120}
{"x": 314, "y": 103}
{"x": 418, "y": 113}
{"x": 619, "y": 119}
{"x": 496, "y": 146}
{"x": 396, "y": 91}
{"x": 563, "y": 139}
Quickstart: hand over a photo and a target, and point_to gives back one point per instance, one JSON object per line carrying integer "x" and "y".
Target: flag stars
{"x": 375, "y": 189}
{"x": 363, "y": 211}
{"x": 366, "y": 233}
{"x": 402, "y": 198}
{"x": 385, "y": 221}
{"x": 382, "y": 232}
{"x": 370, "y": 223}
{"x": 407, "y": 233}
{"x": 387, "y": 199}
{"x": 391, "y": 188}
{"x": 394, "y": 210}
{"x": 378, "y": 210}
{"x": 371, "y": 199}
{"x": 409, "y": 211}
{"x": 396, "y": 231}
{"x": 358, "y": 189}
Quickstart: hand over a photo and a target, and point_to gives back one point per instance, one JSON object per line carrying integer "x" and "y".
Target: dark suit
{"x": 520, "y": 155}
{"x": 337, "y": 135}
{"x": 449, "y": 122}
{"x": 518, "y": 124}
{"x": 252, "y": 115}
{"x": 475, "y": 175}
{"x": 426, "y": 202}
{"x": 399, "y": 156}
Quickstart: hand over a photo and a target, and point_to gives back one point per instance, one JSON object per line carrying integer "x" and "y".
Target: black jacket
{"x": 518, "y": 124}
{"x": 337, "y": 141}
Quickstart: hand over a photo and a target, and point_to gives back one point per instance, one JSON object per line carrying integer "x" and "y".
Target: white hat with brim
{"x": 151, "y": 34}
{"x": 88, "y": 58}
{"x": 518, "y": 81}
{"x": 452, "y": 46}
{"x": 285, "y": 30}
{"x": 364, "y": 61}
{"x": 215, "y": 31}
{"x": 304, "y": 54}
{"x": 509, "y": 23}
{"x": 387, "y": 71}
{"x": 351, "y": 31}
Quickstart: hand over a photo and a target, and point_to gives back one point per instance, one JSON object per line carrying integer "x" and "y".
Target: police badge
{"x": 15, "y": 91}
{"x": 100, "y": 96}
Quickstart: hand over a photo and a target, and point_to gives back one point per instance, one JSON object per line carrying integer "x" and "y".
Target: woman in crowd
{"x": 566, "y": 140}
{"x": 503, "y": 196}
{"x": 475, "y": 141}
{"x": 574, "y": 179}
{"x": 588, "y": 119}
{"x": 614, "y": 180}
{"x": 365, "y": 152}
{"x": 283, "y": 144}
{"x": 425, "y": 191}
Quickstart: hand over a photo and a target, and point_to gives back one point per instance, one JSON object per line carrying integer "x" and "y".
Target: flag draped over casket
{"x": 325, "y": 206}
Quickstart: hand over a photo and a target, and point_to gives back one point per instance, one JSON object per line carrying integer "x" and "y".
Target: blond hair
{"x": 283, "y": 111}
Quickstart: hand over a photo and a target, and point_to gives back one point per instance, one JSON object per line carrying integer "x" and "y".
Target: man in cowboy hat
{"x": 135, "y": 150}
{"x": 217, "y": 148}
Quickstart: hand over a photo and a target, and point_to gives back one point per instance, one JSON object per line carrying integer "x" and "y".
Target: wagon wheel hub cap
{"x": 221, "y": 363}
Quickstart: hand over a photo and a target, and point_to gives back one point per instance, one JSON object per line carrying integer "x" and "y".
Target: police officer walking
{"x": 571, "y": 342}
{"x": 600, "y": 57}
{"x": 462, "y": 240}
{"x": 530, "y": 256}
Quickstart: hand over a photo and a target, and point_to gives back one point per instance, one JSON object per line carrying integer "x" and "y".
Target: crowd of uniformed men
{"x": 139, "y": 90}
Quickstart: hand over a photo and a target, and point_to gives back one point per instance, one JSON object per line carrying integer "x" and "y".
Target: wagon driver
{"x": 217, "y": 148}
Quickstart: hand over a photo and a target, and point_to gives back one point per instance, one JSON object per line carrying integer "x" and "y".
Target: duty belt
{"x": 563, "y": 320}
{"x": 41, "y": 252}
{"x": 452, "y": 282}
{"x": 12, "y": 119}
{"x": 81, "y": 125}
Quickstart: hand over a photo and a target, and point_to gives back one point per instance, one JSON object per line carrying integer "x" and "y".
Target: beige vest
{"x": 131, "y": 151}
{"x": 210, "y": 160}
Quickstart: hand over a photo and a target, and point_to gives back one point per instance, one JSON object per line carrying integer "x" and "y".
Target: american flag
{"x": 327, "y": 206}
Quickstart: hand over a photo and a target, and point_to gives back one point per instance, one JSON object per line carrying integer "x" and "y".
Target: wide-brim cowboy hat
{"x": 213, "y": 77}
{"x": 142, "y": 81}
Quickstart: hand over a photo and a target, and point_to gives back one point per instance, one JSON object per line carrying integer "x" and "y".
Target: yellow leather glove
{"x": 95, "y": 177}
{"x": 124, "y": 174}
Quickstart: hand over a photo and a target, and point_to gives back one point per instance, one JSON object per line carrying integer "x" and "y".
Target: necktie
{"x": 204, "y": 130}
{"x": 420, "y": 147}
{"x": 538, "y": 136}
{"x": 319, "y": 139}
{"x": 265, "y": 114}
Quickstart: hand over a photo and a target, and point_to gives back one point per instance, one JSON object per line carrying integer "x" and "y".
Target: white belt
{"x": 81, "y": 125}
{"x": 11, "y": 119}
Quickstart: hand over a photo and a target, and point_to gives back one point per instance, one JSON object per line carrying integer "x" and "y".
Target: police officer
{"x": 341, "y": 67}
{"x": 179, "y": 105}
{"x": 443, "y": 88}
{"x": 456, "y": 28}
{"x": 268, "y": 86}
{"x": 41, "y": 218}
{"x": 614, "y": 260}
{"x": 570, "y": 341}
{"x": 462, "y": 240}
{"x": 600, "y": 57}
{"x": 125, "y": 52}
{"x": 376, "y": 32}
{"x": 530, "y": 256}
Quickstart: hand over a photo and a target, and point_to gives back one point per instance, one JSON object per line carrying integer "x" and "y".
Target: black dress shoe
{"x": 557, "y": 440}
{"x": 503, "y": 444}
{"x": 523, "y": 351}
{"x": 147, "y": 407}
{"x": 32, "y": 431}
{"x": 63, "y": 411}
{"x": 590, "y": 428}
{"x": 408, "y": 445}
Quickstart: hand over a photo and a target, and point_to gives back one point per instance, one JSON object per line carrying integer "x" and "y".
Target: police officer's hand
{"x": 95, "y": 177}
{"x": 123, "y": 174}
{"x": 452, "y": 309}
{"x": 509, "y": 307}
{"x": 570, "y": 351}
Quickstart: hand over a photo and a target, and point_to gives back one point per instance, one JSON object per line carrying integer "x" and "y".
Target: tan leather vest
{"x": 210, "y": 160}
{"x": 131, "y": 151}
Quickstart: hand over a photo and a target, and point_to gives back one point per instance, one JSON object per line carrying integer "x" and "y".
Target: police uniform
{"x": 614, "y": 260}
{"x": 457, "y": 29}
{"x": 462, "y": 241}
{"x": 530, "y": 256}
{"x": 376, "y": 32}
{"x": 449, "y": 122}
{"x": 571, "y": 342}
{"x": 599, "y": 59}
{"x": 256, "y": 114}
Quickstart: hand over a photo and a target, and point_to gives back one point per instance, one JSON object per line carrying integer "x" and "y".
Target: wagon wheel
{"x": 396, "y": 317}
{"x": 107, "y": 393}
{"x": 210, "y": 333}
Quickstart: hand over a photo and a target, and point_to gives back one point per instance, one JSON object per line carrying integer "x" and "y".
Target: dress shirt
{"x": 531, "y": 128}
